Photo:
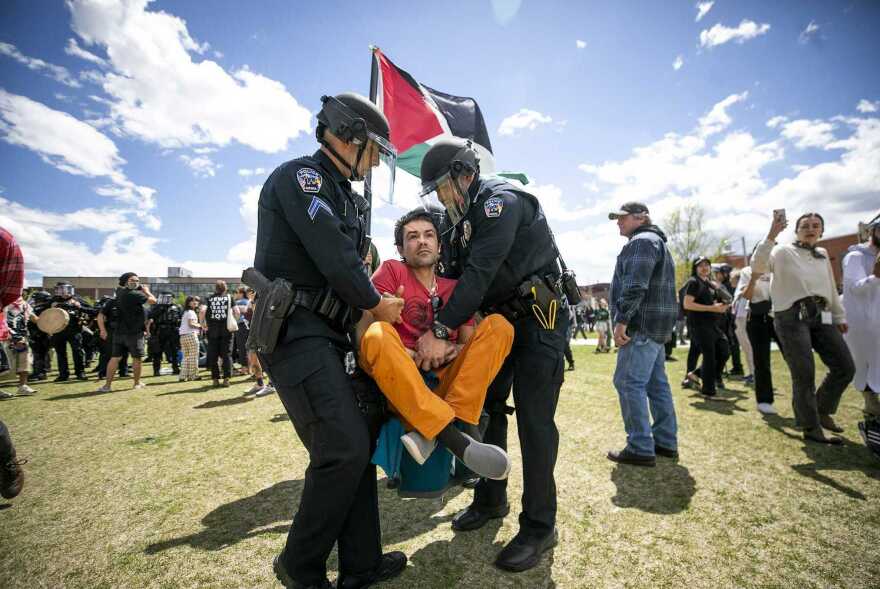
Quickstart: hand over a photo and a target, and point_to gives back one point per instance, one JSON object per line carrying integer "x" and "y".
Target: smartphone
{"x": 779, "y": 214}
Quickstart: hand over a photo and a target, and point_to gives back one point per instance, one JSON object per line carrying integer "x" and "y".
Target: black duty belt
{"x": 324, "y": 303}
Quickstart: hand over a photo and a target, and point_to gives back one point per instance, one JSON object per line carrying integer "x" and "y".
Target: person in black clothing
{"x": 219, "y": 338}
{"x": 580, "y": 315}
{"x": 108, "y": 319}
{"x": 163, "y": 323}
{"x": 311, "y": 232}
{"x": 703, "y": 302}
{"x": 131, "y": 296}
{"x": 727, "y": 324}
{"x": 39, "y": 340}
{"x": 502, "y": 252}
{"x": 67, "y": 299}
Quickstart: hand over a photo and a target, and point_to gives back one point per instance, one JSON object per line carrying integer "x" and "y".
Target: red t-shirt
{"x": 418, "y": 315}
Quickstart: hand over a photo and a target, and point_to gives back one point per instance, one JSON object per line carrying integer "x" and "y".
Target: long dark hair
{"x": 190, "y": 299}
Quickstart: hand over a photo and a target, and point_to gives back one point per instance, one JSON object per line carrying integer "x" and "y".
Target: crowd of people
{"x": 479, "y": 307}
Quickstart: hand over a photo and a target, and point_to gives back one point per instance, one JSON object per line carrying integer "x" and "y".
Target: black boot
{"x": 391, "y": 565}
{"x": 475, "y": 517}
{"x": 524, "y": 552}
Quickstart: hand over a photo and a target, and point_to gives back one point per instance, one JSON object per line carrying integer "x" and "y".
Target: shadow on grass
{"x": 668, "y": 488}
{"x": 243, "y": 518}
{"x": 279, "y": 417}
{"x": 403, "y": 519}
{"x": 224, "y": 402}
{"x": 203, "y": 388}
{"x": 724, "y": 402}
{"x": 81, "y": 395}
{"x": 5, "y": 506}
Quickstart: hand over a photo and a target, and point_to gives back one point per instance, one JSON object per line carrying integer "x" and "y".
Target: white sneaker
{"x": 265, "y": 391}
{"x": 254, "y": 389}
{"x": 25, "y": 390}
{"x": 139, "y": 386}
{"x": 767, "y": 409}
{"x": 418, "y": 446}
{"x": 106, "y": 389}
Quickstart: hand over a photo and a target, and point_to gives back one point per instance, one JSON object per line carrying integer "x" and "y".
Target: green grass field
{"x": 180, "y": 485}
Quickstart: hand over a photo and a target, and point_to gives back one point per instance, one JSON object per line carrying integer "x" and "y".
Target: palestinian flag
{"x": 418, "y": 116}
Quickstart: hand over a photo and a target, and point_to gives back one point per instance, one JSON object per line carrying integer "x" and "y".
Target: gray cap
{"x": 630, "y": 208}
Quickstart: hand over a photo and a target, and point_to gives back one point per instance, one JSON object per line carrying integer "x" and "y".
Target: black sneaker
{"x": 286, "y": 580}
{"x": 61, "y": 379}
{"x": 626, "y": 457}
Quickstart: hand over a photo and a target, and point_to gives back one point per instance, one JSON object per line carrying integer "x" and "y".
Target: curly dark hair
{"x": 419, "y": 214}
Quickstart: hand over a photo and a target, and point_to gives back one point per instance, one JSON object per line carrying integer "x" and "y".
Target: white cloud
{"x": 809, "y": 33}
{"x": 70, "y": 145}
{"x": 56, "y": 72}
{"x": 251, "y": 172}
{"x": 719, "y": 34}
{"x": 805, "y": 133}
{"x": 523, "y": 119}
{"x": 703, "y": 9}
{"x": 678, "y": 63}
{"x": 159, "y": 94}
{"x": 776, "y": 121}
{"x": 717, "y": 119}
{"x": 866, "y": 106}
{"x": 580, "y": 44}
{"x": 75, "y": 50}
{"x": 201, "y": 165}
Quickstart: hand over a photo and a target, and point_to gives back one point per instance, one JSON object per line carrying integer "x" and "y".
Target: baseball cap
{"x": 630, "y": 208}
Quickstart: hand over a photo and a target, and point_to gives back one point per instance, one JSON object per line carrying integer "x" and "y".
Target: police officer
{"x": 39, "y": 340}
{"x": 502, "y": 251}
{"x": 163, "y": 324}
{"x": 311, "y": 233}
{"x": 67, "y": 299}
{"x": 108, "y": 318}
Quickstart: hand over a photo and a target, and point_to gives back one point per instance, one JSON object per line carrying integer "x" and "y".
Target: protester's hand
{"x": 620, "y": 337}
{"x": 777, "y": 227}
{"x": 452, "y": 352}
{"x": 389, "y": 307}
{"x": 842, "y": 327}
{"x": 720, "y": 307}
{"x": 432, "y": 351}
{"x": 103, "y": 334}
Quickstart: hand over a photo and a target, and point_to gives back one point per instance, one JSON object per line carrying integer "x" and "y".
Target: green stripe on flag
{"x": 411, "y": 159}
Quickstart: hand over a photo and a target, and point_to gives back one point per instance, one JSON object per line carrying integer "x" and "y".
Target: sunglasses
{"x": 436, "y": 303}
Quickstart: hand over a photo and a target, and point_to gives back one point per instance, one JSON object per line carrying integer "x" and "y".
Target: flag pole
{"x": 374, "y": 83}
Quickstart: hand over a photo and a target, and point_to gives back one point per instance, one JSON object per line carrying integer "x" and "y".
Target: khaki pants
{"x": 463, "y": 382}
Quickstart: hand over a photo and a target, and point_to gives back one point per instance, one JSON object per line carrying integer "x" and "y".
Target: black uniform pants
{"x": 219, "y": 347}
{"x": 581, "y": 329}
{"x": 59, "y": 342}
{"x": 106, "y": 352}
{"x": 40, "y": 350}
{"x": 694, "y": 350}
{"x": 165, "y": 343}
{"x": 339, "y": 501}
{"x": 534, "y": 369}
{"x": 715, "y": 349}
{"x": 735, "y": 358}
{"x": 760, "y": 330}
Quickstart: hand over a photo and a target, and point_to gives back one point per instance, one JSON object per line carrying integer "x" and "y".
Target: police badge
{"x": 309, "y": 180}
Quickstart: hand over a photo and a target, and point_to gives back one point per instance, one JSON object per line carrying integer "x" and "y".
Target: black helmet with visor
{"x": 444, "y": 164}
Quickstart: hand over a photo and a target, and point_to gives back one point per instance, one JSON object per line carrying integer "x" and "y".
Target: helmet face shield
{"x": 445, "y": 192}
{"x": 64, "y": 290}
{"x": 381, "y": 151}
{"x": 165, "y": 299}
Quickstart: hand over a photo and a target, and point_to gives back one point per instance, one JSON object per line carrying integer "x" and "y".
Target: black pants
{"x": 106, "y": 352}
{"x": 693, "y": 351}
{"x": 40, "y": 350}
{"x": 59, "y": 342}
{"x": 339, "y": 501}
{"x": 715, "y": 349}
{"x": 7, "y": 450}
{"x": 730, "y": 332}
{"x": 567, "y": 351}
{"x": 241, "y": 337}
{"x": 534, "y": 369}
{"x": 219, "y": 347}
{"x": 581, "y": 330}
{"x": 165, "y": 343}
{"x": 760, "y": 330}
{"x": 799, "y": 337}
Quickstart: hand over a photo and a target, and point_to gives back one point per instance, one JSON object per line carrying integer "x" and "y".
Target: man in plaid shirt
{"x": 11, "y": 280}
{"x": 643, "y": 311}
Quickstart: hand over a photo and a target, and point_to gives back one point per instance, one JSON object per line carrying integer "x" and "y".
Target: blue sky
{"x": 135, "y": 135}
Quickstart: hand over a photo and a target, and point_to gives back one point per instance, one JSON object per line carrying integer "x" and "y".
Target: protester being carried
{"x": 808, "y": 316}
{"x": 473, "y": 356}
{"x": 861, "y": 299}
{"x": 703, "y": 302}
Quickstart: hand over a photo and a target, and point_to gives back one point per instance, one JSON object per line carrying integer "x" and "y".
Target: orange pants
{"x": 463, "y": 382}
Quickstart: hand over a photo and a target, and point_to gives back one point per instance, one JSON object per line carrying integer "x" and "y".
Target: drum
{"x": 52, "y": 321}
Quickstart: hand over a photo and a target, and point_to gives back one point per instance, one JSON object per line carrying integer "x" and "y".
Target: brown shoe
{"x": 11, "y": 478}
{"x": 827, "y": 422}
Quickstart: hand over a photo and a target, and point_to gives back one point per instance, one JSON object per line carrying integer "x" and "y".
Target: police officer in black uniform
{"x": 39, "y": 340}
{"x": 108, "y": 318}
{"x": 502, "y": 252}
{"x": 164, "y": 325}
{"x": 67, "y": 299}
{"x": 311, "y": 232}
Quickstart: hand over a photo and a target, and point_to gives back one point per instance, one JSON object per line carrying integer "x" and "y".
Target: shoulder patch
{"x": 309, "y": 180}
{"x": 316, "y": 205}
{"x": 493, "y": 207}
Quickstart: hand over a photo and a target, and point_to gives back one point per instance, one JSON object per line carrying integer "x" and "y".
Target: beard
{"x": 417, "y": 261}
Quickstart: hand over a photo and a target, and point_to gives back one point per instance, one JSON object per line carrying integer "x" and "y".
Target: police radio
{"x": 568, "y": 285}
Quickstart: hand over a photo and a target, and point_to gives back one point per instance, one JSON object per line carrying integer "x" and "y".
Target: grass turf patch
{"x": 182, "y": 485}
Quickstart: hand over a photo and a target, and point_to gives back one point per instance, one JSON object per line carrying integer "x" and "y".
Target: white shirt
{"x": 760, "y": 293}
{"x": 185, "y": 326}
{"x": 798, "y": 274}
{"x": 861, "y": 297}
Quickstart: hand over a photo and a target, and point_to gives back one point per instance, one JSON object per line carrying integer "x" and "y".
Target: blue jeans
{"x": 640, "y": 380}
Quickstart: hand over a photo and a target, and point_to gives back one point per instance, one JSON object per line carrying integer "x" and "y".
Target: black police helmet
{"x": 350, "y": 116}
{"x": 451, "y": 154}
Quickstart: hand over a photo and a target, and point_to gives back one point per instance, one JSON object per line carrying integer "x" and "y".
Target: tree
{"x": 688, "y": 238}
